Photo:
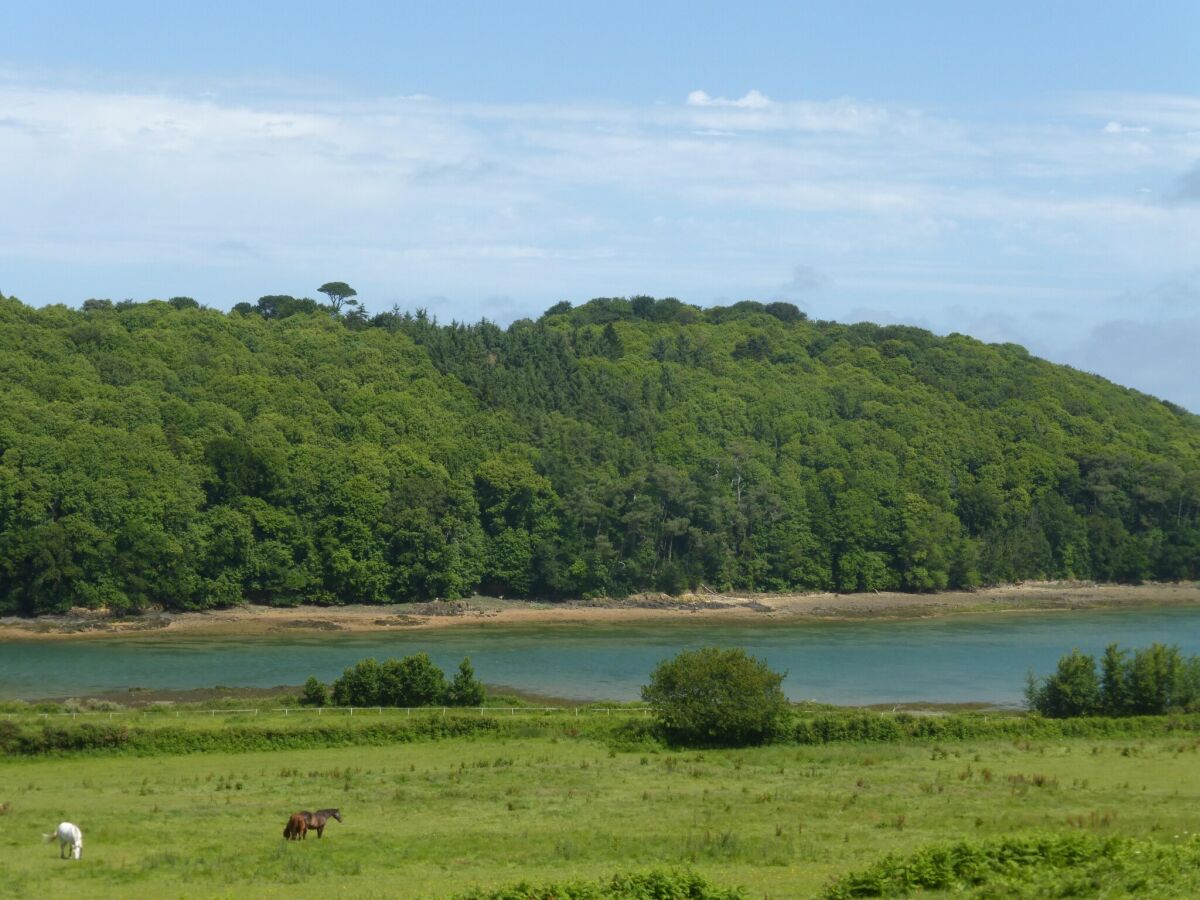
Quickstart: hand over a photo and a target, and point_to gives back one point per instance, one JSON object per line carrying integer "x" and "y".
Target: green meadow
{"x": 546, "y": 801}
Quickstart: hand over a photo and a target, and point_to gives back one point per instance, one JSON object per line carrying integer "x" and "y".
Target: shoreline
{"x": 249, "y": 621}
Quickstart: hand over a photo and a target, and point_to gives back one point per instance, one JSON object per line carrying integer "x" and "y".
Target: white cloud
{"x": 1170, "y": 111}
{"x": 1114, "y": 127}
{"x": 750, "y": 100}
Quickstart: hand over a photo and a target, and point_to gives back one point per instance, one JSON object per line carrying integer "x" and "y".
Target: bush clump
{"x": 716, "y": 697}
{"x": 634, "y": 886}
{"x": 412, "y": 681}
{"x": 1071, "y": 865}
{"x": 315, "y": 693}
{"x": 1149, "y": 681}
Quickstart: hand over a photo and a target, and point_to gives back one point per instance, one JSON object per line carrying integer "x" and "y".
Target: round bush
{"x": 717, "y": 697}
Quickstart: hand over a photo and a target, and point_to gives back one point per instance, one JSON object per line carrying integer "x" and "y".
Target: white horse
{"x": 68, "y": 836}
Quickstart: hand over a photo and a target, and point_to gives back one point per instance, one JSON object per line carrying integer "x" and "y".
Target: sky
{"x": 1025, "y": 172}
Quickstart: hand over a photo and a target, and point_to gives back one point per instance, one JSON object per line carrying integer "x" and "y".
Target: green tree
{"x": 412, "y": 681}
{"x": 360, "y": 685}
{"x": 315, "y": 693}
{"x": 1114, "y": 687}
{"x": 1073, "y": 690}
{"x": 340, "y": 294}
{"x": 1156, "y": 680}
{"x": 159, "y": 453}
{"x": 719, "y": 697}
{"x": 465, "y": 689}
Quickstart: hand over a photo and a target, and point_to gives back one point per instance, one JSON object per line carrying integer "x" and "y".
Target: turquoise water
{"x": 956, "y": 659}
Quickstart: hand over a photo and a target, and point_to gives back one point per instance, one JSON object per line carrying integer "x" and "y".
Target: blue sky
{"x": 1028, "y": 172}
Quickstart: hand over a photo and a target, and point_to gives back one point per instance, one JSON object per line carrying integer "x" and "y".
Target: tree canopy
{"x": 162, "y": 453}
{"x": 339, "y": 294}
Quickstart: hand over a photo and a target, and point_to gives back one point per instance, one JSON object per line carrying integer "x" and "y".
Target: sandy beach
{"x": 261, "y": 620}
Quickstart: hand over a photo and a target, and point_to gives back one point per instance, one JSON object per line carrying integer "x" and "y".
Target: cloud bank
{"x": 934, "y": 218}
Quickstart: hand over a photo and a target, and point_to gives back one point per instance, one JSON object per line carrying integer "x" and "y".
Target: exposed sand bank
{"x": 263, "y": 620}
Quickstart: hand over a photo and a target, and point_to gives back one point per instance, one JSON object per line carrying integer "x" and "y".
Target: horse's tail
{"x": 47, "y": 838}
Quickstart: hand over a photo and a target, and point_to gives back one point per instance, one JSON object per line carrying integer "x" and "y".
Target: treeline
{"x": 160, "y": 453}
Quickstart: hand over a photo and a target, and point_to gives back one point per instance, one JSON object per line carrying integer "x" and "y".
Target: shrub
{"x": 1152, "y": 681}
{"x": 637, "y": 886}
{"x": 720, "y": 697}
{"x": 1158, "y": 679}
{"x": 315, "y": 693}
{"x": 411, "y": 681}
{"x": 1073, "y": 690}
{"x": 359, "y": 684}
{"x": 1031, "y": 866}
{"x": 465, "y": 690}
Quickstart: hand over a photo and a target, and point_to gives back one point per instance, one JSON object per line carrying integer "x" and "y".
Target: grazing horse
{"x": 296, "y": 828}
{"x": 318, "y": 819}
{"x": 68, "y": 836}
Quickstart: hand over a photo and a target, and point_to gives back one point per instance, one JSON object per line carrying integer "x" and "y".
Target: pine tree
{"x": 465, "y": 690}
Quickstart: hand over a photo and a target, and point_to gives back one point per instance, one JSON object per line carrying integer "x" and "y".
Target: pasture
{"x": 432, "y": 817}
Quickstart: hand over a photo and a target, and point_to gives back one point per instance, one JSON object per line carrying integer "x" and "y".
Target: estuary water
{"x": 965, "y": 658}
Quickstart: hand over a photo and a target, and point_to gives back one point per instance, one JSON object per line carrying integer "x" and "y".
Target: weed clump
{"x": 636, "y": 886}
{"x": 1032, "y": 866}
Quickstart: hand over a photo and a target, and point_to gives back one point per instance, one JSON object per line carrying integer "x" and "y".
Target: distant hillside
{"x": 160, "y": 453}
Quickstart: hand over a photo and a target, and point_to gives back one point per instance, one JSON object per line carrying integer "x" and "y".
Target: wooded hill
{"x": 162, "y": 453}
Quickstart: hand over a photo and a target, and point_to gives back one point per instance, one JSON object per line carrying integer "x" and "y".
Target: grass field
{"x": 428, "y": 818}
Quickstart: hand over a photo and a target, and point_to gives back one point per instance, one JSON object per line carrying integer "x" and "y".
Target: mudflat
{"x": 252, "y": 620}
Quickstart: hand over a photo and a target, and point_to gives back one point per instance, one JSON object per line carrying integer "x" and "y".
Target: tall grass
{"x": 1062, "y": 865}
{"x": 231, "y": 732}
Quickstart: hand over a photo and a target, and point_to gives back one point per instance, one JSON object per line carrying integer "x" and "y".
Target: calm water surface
{"x": 964, "y": 658}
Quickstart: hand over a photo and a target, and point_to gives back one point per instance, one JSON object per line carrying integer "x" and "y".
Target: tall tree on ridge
{"x": 340, "y": 294}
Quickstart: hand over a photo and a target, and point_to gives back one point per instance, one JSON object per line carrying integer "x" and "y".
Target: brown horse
{"x": 318, "y": 819}
{"x": 296, "y": 827}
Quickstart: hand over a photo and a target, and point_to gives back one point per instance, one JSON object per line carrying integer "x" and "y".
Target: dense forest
{"x": 161, "y": 453}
